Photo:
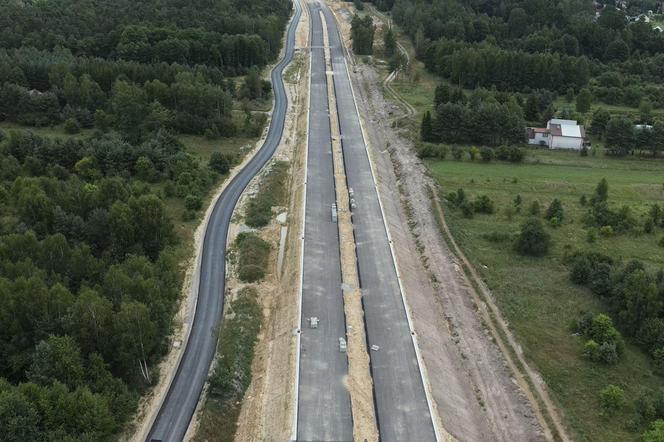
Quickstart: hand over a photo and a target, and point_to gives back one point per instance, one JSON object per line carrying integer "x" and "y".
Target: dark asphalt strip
{"x": 184, "y": 392}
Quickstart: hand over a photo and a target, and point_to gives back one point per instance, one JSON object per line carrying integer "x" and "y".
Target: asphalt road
{"x": 180, "y": 403}
{"x": 324, "y": 410}
{"x": 401, "y": 404}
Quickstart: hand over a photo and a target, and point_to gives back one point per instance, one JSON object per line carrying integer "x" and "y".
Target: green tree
{"x": 599, "y": 121}
{"x": 362, "y": 34}
{"x": 57, "y": 359}
{"x": 619, "y": 136}
{"x": 130, "y": 107}
{"x": 220, "y": 162}
{"x": 583, "y": 101}
{"x": 19, "y": 420}
{"x": 612, "y": 399}
{"x": 426, "y": 129}
{"x": 655, "y": 433}
{"x": 532, "y": 240}
{"x": 389, "y": 43}
{"x": 645, "y": 111}
{"x": 555, "y": 211}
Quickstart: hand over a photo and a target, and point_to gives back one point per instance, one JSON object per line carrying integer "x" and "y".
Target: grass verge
{"x": 232, "y": 374}
{"x": 271, "y": 192}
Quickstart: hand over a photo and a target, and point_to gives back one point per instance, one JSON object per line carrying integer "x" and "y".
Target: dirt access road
{"x": 477, "y": 395}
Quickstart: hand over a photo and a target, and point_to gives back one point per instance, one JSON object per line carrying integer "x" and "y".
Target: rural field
{"x": 536, "y": 294}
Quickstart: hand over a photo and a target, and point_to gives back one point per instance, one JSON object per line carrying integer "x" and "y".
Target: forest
{"x": 89, "y": 269}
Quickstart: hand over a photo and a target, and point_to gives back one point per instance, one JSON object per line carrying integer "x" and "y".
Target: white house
{"x": 558, "y": 134}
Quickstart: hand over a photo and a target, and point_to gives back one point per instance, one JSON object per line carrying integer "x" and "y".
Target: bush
{"x": 457, "y": 153}
{"x": 251, "y": 273}
{"x": 591, "y": 350}
{"x": 606, "y": 231}
{"x": 473, "y": 152}
{"x": 487, "y": 154}
{"x": 555, "y": 211}
{"x": 220, "y": 163}
{"x": 3, "y": 137}
{"x": 192, "y": 202}
{"x": 253, "y": 254}
{"x": 608, "y": 353}
{"x": 655, "y": 433}
{"x": 612, "y": 399}
{"x": 532, "y": 239}
{"x": 648, "y": 225}
{"x": 583, "y": 200}
{"x": 497, "y": 237}
{"x": 467, "y": 209}
{"x": 534, "y": 208}
{"x": 72, "y": 126}
{"x": 584, "y": 151}
{"x": 483, "y": 204}
{"x": 503, "y": 153}
{"x": 516, "y": 155}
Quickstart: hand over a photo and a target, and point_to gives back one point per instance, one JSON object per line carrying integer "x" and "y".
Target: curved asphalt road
{"x": 180, "y": 403}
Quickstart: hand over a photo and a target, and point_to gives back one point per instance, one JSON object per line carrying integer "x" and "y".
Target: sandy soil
{"x": 359, "y": 381}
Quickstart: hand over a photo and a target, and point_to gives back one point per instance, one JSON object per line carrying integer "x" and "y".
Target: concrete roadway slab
{"x": 324, "y": 408}
{"x": 401, "y": 405}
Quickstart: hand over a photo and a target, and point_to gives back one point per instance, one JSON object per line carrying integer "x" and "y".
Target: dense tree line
{"x": 362, "y": 34}
{"x": 483, "y": 117}
{"x": 88, "y": 280}
{"x": 526, "y": 44}
{"x": 232, "y": 35}
{"x": 137, "y": 76}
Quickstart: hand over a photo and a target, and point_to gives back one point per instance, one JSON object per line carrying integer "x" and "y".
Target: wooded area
{"x": 89, "y": 274}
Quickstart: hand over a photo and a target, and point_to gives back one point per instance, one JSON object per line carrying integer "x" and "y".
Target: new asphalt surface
{"x": 324, "y": 410}
{"x": 180, "y": 402}
{"x": 401, "y": 404}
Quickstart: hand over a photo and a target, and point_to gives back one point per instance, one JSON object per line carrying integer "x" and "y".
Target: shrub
{"x": 466, "y": 209}
{"x": 608, "y": 353}
{"x": 487, "y": 154}
{"x": 661, "y": 242}
{"x": 583, "y": 200}
{"x": 606, "y": 231}
{"x": 503, "y": 153}
{"x": 591, "y": 350}
{"x": 253, "y": 254}
{"x": 648, "y": 225}
{"x": 591, "y": 236}
{"x": 555, "y": 211}
{"x": 192, "y": 202}
{"x": 658, "y": 356}
{"x": 655, "y": 433}
{"x": 496, "y": 237}
{"x": 533, "y": 239}
{"x": 581, "y": 269}
{"x": 3, "y": 137}
{"x": 516, "y": 155}
{"x": 457, "y": 153}
{"x": 483, "y": 204}
{"x": 220, "y": 163}
{"x": 584, "y": 151}
{"x": 534, "y": 208}
{"x": 72, "y": 126}
{"x": 473, "y": 152}
{"x": 251, "y": 273}
{"x": 612, "y": 399}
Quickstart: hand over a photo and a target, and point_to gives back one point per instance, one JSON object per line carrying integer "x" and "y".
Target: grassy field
{"x": 536, "y": 295}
